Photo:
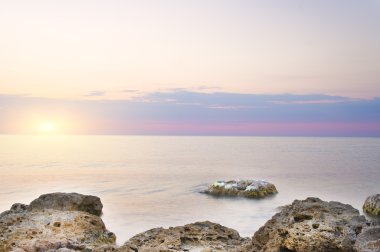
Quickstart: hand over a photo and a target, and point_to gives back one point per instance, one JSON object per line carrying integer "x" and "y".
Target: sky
{"x": 190, "y": 67}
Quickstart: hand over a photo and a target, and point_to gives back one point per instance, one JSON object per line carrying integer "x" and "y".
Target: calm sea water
{"x": 146, "y": 182}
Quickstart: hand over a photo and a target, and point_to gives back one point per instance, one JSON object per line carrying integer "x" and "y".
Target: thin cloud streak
{"x": 95, "y": 93}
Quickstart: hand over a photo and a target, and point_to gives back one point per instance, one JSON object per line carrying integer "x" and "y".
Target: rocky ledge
{"x": 244, "y": 188}
{"x": 372, "y": 205}
{"x": 54, "y": 222}
{"x": 200, "y": 236}
{"x": 70, "y": 222}
{"x": 311, "y": 225}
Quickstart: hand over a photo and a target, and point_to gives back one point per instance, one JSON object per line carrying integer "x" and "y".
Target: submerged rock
{"x": 45, "y": 227}
{"x": 311, "y": 225}
{"x": 197, "y": 237}
{"x": 245, "y": 188}
{"x": 372, "y": 205}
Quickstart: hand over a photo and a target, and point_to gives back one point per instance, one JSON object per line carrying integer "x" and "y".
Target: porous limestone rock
{"x": 305, "y": 225}
{"x": 44, "y": 228}
{"x": 245, "y": 188}
{"x": 372, "y": 205}
{"x": 197, "y": 237}
{"x": 368, "y": 240}
{"x": 310, "y": 225}
{"x": 68, "y": 202}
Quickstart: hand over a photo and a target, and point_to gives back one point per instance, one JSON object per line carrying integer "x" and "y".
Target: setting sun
{"x": 48, "y": 128}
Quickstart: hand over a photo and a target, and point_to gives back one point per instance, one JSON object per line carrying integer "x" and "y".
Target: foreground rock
{"x": 197, "y": 237}
{"x": 245, "y": 188}
{"x": 372, "y": 205}
{"x": 41, "y": 227}
{"x": 70, "y": 222}
{"x": 369, "y": 239}
{"x": 311, "y": 225}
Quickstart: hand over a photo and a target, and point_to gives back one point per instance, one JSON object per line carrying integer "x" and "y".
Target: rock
{"x": 68, "y": 202}
{"x": 112, "y": 248}
{"x": 30, "y": 229}
{"x": 310, "y": 225}
{"x": 245, "y": 188}
{"x": 63, "y": 222}
{"x": 368, "y": 240}
{"x": 18, "y": 208}
{"x": 372, "y": 205}
{"x": 198, "y": 237}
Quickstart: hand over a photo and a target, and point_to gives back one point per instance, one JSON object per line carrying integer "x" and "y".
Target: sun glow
{"x": 48, "y": 128}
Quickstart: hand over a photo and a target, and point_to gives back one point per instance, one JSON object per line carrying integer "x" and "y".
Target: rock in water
{"x": 68, "y": 202}
{"x": 372, "y": 205}
{"x": 41, "y": 227}
{"x": 198, "y": 237}
{"x": 245, "y": 188}
{"x": 310, "y": 225}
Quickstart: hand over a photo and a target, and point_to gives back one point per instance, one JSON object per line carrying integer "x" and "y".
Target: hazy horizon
{"x": 194, "y": 113}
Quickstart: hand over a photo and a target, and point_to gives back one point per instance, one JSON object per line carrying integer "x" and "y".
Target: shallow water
{"x": 146, "y": 181}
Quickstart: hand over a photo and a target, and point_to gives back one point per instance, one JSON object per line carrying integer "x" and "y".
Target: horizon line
{"x": 192, "y": 135}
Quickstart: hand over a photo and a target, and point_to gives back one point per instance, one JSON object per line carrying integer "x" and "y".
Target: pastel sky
{"x": 239, "y": 67}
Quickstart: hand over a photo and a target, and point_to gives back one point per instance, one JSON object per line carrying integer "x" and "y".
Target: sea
{"x": 155, "y": 181}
